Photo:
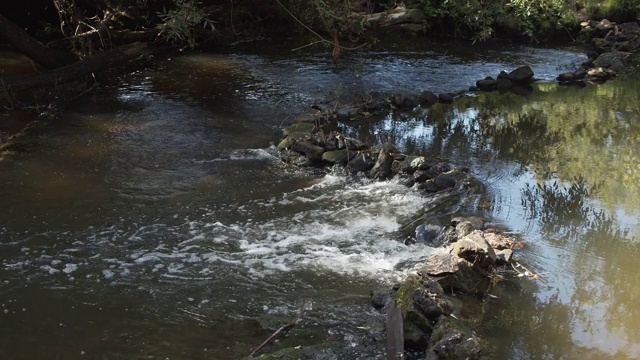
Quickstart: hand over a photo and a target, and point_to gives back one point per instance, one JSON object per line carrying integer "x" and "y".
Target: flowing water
{"x": 155, "y": 221}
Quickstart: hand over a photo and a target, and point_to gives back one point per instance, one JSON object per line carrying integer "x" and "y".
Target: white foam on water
{"x": 337, "y": 225}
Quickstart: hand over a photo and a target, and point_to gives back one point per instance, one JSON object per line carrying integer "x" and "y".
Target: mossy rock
{"x": 301, "y": 127}
{"x": 337, "y": 156}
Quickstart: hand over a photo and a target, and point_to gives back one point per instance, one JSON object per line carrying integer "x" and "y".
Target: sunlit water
{"x": 155, "y": 220}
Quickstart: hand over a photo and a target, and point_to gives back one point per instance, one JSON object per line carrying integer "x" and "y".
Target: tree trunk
{"x": 32, "y": 48}
{"x": 96, "y": 63}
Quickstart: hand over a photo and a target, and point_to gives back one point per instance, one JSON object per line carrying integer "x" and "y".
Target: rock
{"x": 521, "y": 75}
{"x": 419, "y": 163}
{"x": 416, "y": 326}
{"x": 441, "y": 182}
{"x": 376, "y": 105}
{"x": 421, "y": 176}
{"x": 431, "y": 301}
{"x": 603, "y": 27}
{"x": 464, "y": 228}
{"x": 363, "y": 161}
{"x": 313, "y": 152}
{"x": 382, "y": 167}
{"x": 454, "y": 272}
{"x": 410, "y": 102}
{"x": 498, "y": 240}
{"x": 351, "y": 144}
{"x": 338, "y": 156}
{"x": 476, "y": 221}
{"x": 294, "y": 158}
{"x": 301, "y": 127}
{"x": 487, "y": 84}
{"x": 306, "y": 118}
{"x": 397, "y": 100}
{"x": 346, "y": 113}
{"x": 601, "y": 73}
{"x": 380, "y": 298}
{"x": 331, "y": 142}
{"x": 504, "y": 256}
{"x": 601, "y": 45}
{"x": 475, "y": 249}
{"x": 446, "y": 98}
{"x": 452, "y": 340}
{"x": 428, "y": 97}
{"x": 615, "y": 60}
{"x": 503, "y": 85}
{"x": 427, "y": 234}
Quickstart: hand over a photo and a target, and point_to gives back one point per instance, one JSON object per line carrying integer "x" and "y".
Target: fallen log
{"x": 117, "y": 56}
{"x": 32, "y": 48}
{"x": 397, "y": 16}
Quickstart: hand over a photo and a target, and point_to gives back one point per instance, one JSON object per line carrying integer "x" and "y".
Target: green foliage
{"x": 483, "y": 17}
{"x": 180, "y": 23}
{"x": 616, "y": 10}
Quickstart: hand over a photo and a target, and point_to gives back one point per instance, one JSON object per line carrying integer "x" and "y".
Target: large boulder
{"x": 615, "y": 60}
{"x": 341, "y": 157}
{"x": 309, "y": 149}
{"x": 363, "y": 161}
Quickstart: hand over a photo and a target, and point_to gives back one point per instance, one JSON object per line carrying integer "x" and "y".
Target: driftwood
{"x": 32, "y": 48}
{"x": 282, "y": 331}
{"x": 117, "y": 56}
{"x": 399, "y": 16}
{"x": 395, "y": 333}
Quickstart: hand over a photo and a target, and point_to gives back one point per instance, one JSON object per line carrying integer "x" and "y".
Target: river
{"x": 155, "y": 221}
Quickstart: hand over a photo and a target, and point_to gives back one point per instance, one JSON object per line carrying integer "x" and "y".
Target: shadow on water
{"x": 155, "y": 220}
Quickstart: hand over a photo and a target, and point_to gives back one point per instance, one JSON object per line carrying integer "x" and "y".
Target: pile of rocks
{"x": 516, "y": 81}
{"x": 430, "y": 319}
{"x": 304, "y": 144}
{"x": 613, "y": 44}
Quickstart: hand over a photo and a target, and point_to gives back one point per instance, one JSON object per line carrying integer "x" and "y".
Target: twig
{"x": 283, "y": 330}
{"x": 528, "y": 273}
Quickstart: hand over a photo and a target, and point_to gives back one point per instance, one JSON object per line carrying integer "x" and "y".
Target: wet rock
{"x": 331, "y": 142}
{"x": 382, "y": 167}
{"x": 410, "y": 102}
{"x": 452, "y": 340}
{"x": 290, "y": 140}
{"x": 421, "y": 176}
{"x": 416, "y": 326}
{"x": 615, "y": 60}
{"x": 504, "y": 256}
{"x": 363, "y": 161}
{"x": 338, "y": 156}
{"x": 441, "y": 182}
{"x": 295, "y": 158}
{"x": 345, "y": 113}
{"x": 601, "y": 45}
{"x": 430, "y": 299}
{"x": 380, "y": 298}
{"x": 427, "y": 234}
{"x": 428, "y": 97}
{"x": 324, "y": 351}
{"x": 446, "y": 98}
{"x": 396, "y": 100}
{"x": 521, "y": 75}
{"x": 302, "y": 127}
{"x": 487, "y": 84}
{"x": 475, "y": 249}
{"x": 376, "y": 105}
{"x": 312, "y": 152}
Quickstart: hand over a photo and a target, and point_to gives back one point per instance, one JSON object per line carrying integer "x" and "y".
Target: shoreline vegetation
{"x": 83, "y": 41}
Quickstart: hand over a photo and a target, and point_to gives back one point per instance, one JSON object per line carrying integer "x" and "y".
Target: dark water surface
{"x": 155, "y": 221}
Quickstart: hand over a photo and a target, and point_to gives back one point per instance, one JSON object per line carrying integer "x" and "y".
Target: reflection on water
{"x": 563, "y": 168}
{"x": 155, "y": 220}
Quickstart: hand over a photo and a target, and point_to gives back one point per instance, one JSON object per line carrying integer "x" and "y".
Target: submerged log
{"x": 76, "y": 70}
